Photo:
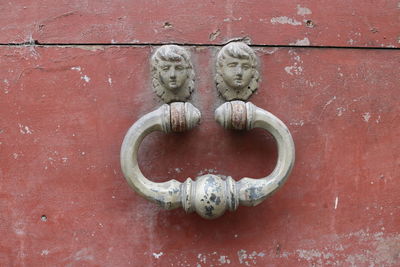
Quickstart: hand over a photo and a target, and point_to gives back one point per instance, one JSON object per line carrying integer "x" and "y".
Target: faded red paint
{"x": 323, "y": 23}
{"x": 66, "y": 110}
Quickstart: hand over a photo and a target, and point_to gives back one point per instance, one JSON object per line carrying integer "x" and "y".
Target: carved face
{"x": 236, "y": 72}
{"x": 173, "y": 74}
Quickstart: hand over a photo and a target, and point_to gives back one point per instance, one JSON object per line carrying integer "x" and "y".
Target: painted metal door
{"x": 75, "y": 75}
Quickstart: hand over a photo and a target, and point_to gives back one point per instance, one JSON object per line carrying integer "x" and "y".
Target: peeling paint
{"x": 285, "y": 20}
{"x": 303, "y": 42}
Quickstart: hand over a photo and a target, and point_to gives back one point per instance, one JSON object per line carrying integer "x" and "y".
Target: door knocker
{"x": 236, "y": 79}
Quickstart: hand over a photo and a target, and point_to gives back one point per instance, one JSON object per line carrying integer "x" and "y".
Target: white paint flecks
{"x": 202, "y": 258}
{"x": 302, "y": 11}
{"x": 207, "y": 171}
{"x": 285, "y": 20}
{"x": 242, "y": 256}
{"x": 250, "y": 258}
{"x": 158, "y": 255}
{"x": 313, "y": 254}
{"x": 340, "y": 111}
{"x": 110, "y": 81}
{"x": 297, "y": 123}
{"x": 294, "y": 70}
{"x": 336, "y": 202}
{"x": 378, "y": 119}
{"x": 44, "y": 252}
{"x": 366, "y": 116}
{"x": 24, "y": 129}
{"x": 224, "y": 260}
{"x": 83, "y": 76}
{"x": 302, "y": 42}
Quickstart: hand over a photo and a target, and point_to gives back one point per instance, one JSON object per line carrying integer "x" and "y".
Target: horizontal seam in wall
{"x": 37, "y": 44}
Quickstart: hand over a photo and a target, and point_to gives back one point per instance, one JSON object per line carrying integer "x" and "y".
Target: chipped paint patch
{"x": 302, "y": 42}
{"x": 302, "y": 11}
{"x": 249, "y": 258}
{"x": 294, "y": 70}
{"x": 44, "y": 252}
{"x": 366, "y": 116}
{"x": 23, "y": 129}
{"x": 224, "y": 260}
{"x": 158, "y": 255}
{"x": 83, "y": 76}
{"x": 285, "y": 20}
{"x": 340, "y": 111}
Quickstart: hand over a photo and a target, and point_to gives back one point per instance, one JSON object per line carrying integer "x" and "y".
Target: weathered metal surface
{"x": 172, "y": 73}
{"x": 209, "y": 195}
{"x": 303, "y": 23}
{"x": 64, "y": 112}
{"x": 237, "y": 75}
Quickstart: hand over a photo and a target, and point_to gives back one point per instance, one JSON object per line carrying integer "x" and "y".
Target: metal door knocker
{"x": 236, "y": 79}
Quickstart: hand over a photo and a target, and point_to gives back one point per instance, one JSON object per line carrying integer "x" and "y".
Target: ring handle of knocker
{"x": 209, "y": 195}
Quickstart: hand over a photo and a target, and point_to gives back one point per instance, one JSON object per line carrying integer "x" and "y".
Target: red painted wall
{"x": 65, "y": 109}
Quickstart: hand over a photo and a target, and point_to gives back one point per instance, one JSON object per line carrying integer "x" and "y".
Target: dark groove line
{"x": 38, "y": 44}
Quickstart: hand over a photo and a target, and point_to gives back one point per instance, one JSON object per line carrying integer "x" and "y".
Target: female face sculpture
{"x": 172, "y": 73}
{"x": 237, "y": 76}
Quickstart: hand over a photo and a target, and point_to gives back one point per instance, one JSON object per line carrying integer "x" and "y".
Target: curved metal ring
{"x": 176, "y": 117}
{"x": 209, "y": 195}
{"x": 239, "y": 115}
